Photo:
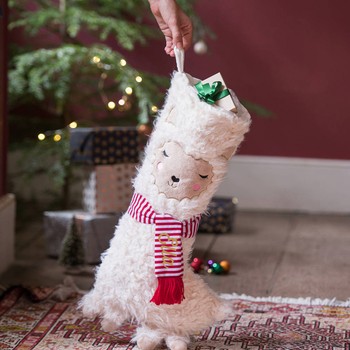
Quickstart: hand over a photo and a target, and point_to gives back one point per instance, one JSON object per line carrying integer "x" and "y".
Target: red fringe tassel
{"x": 170, "y": 291}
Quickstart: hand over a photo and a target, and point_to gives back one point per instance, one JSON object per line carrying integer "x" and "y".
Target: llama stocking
{"x": 145, "y": 274}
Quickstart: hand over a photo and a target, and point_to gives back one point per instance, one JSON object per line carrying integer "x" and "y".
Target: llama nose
{"x": 175, "y": 179}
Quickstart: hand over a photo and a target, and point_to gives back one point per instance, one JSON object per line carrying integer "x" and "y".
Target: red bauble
{"x": 197, "y": 264}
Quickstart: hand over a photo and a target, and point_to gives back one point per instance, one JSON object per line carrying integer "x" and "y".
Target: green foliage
{"x": 72, "y": 252}
{"x": 33, "y": 21}
{"x": 47, "y": 159}
{"x": 73, "y": 19}
{"x": 56, "y": 70}
{"x": 54, "y": 74}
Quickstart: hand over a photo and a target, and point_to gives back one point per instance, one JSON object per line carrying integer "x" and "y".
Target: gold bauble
{"x": 225, "y": 264}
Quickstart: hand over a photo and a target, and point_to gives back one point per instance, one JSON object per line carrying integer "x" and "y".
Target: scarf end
{"x": 170, "y": 291}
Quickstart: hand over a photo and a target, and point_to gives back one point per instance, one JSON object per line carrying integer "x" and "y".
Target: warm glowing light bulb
{"x": 96, "y": 59}
{"x": 138, "y": 79}
{"x": 111, "y": 105}
{"x": 121, "y": 102}
{"x": 73, "y": 125}
{"x": 57, "y": 137}
{"x": 41, "y": 137}
{"x": 122, "y": 62}
{"x": 128, "y": 90}
{"x": 154, "y": 109}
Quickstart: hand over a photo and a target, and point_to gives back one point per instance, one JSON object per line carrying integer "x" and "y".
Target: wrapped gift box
{"x": 109, "y": 188}
{"x": 96, "y": 231}
{"x": 226, "y": 102}
{"x": 104, "y": 145}
{"x": 220, "y": 216}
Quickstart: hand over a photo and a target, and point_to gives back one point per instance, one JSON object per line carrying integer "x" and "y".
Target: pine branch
{"x": 54, "y": 73}
{"x": 76, "y": 19}
{"x": 33, "y": 21}
{"x": 127, "y": 33}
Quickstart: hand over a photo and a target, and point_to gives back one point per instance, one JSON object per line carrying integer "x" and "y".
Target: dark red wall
{"x": 292, "y": 57}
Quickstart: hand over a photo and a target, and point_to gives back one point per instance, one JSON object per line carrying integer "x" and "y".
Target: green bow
{"x": 211, "y": 94}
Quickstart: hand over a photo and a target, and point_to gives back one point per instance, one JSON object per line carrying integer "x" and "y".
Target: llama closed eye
{"x": 165, "y": 154}
{"x": 203, "y": 176}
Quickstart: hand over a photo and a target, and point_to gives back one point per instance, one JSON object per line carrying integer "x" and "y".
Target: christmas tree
{"x": 72, "y": 63}
{"x": 72, "y": 253}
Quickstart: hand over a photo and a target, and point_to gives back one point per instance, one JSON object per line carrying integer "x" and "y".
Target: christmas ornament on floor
{"x": 221, "y": 268}
{"x": 145, "y": 274}
{"x": 212, "y": 267}
{"x": 197, "y": 265}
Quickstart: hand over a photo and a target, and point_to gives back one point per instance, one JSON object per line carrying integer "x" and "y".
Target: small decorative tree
{"x": 72, "y": 252}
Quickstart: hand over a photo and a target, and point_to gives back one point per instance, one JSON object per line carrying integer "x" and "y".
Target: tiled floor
{"x": 272, "y": 254}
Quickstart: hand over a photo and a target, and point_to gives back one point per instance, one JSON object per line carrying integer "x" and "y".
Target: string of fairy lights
{"x": 55, "y": 134}
{"x": 123, "y": 104}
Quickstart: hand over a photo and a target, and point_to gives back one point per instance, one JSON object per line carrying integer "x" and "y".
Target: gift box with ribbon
{"x": 104, "y": 145}
{"x": 220, "y": 215}
{"x": 109, "y": 188}
{"x": 213, "y": 90}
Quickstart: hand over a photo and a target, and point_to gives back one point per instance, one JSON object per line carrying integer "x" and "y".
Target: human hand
{"x": 174, "y": 23}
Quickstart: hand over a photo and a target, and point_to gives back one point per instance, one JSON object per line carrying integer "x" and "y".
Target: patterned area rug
{"x": 255, "y": 324}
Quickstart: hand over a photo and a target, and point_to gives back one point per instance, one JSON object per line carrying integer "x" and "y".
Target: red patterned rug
{"x": 255, "y": 324}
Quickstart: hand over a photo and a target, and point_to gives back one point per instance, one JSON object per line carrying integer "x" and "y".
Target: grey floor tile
{"x": 316, "y": 260}
{"x": 254, "y": 251}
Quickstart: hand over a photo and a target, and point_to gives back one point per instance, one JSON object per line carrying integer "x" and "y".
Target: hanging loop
{"x": 180, "y": 58}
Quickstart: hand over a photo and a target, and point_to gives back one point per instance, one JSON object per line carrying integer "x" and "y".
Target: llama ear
{"x": 229, "y": 152}
{"x": 171, "y": 117}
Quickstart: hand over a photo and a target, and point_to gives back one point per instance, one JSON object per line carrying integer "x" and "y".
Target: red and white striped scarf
{"x": 168, "y": 254}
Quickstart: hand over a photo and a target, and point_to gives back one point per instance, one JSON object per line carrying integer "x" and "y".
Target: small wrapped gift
{"x": 96, "y": 230}
{"x": 80, "y": 145}
{"x": 109, "y": 188}
{"x": 213, "y": 90}
{"x": 220, "y": 217}
{"x": 104, "y": 145}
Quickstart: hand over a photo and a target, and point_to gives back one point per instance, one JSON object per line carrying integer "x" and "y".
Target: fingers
{"x": 169, "y": 46}
{"x": 181, "y": 29}
{"x": 174, "y": 23}
{"x": 187, "y": 37}
{"x": 181, "y": 37}
{"x": 176, "y": 37}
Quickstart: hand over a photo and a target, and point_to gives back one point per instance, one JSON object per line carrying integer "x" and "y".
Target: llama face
{"x": 179, "y": 175}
